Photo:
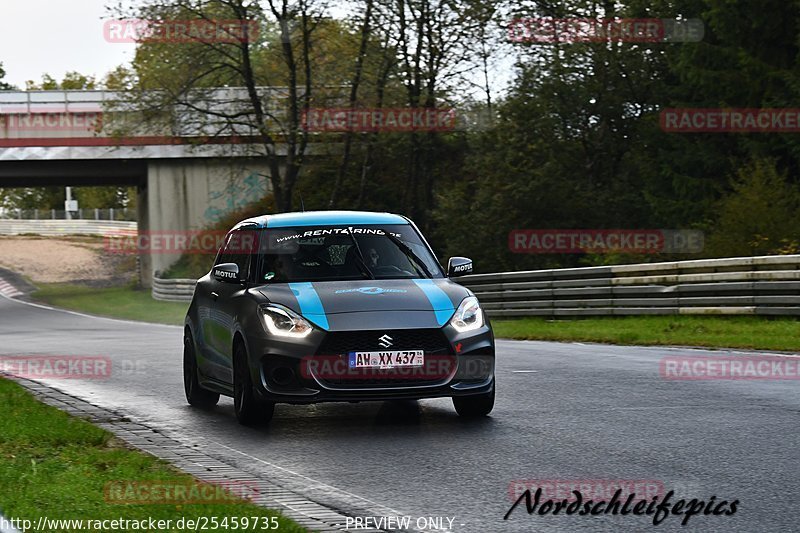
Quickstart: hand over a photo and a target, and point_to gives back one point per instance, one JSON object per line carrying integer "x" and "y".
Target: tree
{"x": 761, "y": 215}
{"x": 355, "y": 84}
{"x": 32, "y": 198}
{"x": 179, "y": 78}
{"x": 105, "y": 197}
{"x": 122, "y": 78}
{"x": 431, "y": 38}
{"x": 565, "y": 150}
{"x": 3, "y": 85}
{"x": 72, "y": 81}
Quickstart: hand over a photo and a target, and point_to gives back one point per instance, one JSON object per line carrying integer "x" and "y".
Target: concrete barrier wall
{"x": 768, "y": 285}
{"x": 64, "y": 227}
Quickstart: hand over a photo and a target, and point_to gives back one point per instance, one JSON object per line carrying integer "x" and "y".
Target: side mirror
{"x": 459, "y": 266}
{"x": 227, "y": 273}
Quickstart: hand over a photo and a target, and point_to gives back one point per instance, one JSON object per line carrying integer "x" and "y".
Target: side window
{"x": 235, "y": 252}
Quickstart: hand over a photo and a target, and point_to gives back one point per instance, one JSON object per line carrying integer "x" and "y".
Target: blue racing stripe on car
{"x": 442, "y": 306}
{"x": 310, "y": 304}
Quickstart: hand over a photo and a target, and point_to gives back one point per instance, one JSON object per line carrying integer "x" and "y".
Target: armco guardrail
{"x": 173, "y": 290}
{"x": 768, "y": 285}
{"x": 64, "y": 227}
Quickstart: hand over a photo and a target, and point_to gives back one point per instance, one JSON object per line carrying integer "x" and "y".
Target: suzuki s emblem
{"x": 385, "y": 341}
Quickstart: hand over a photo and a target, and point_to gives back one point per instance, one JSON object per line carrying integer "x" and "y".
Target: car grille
{"x": 338, "y": 344}
{"x": 432, "y": 341}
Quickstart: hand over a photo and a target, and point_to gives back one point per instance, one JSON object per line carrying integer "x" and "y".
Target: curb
{"x": 311, "y": 504}
{"x": 8, "y": 290}
{"x": 16, "y": 282}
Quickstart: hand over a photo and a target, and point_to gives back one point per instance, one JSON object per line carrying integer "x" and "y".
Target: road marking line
{"x": 691, "y": 350}
{"x": 317, "y": 483}
{"x": 84, "y": 315}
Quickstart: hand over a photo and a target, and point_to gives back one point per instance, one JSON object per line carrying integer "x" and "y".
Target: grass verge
{"x": 58, "y": 466}
{"x": 124, "y": 302}
{"x": 757, "y": 333}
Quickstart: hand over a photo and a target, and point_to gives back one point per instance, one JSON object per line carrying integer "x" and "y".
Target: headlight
{"x": 469, "y": 315}
{"x": 284, "y": 322}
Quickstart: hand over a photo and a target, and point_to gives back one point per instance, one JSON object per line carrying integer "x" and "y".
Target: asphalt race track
{"x": 564, "y": 412}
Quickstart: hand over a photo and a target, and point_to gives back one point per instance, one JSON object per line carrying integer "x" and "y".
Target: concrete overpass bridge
{"x": 185, "y": 178}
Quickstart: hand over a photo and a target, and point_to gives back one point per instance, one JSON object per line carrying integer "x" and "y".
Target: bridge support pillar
{"x": 143, "y": 216}
{"x": 183, "y": 195}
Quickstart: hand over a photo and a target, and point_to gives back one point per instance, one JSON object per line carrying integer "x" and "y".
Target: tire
{"x": 474, "y": 406}
{"x": 250, "y": 410}
{"x": 196, "y": 395}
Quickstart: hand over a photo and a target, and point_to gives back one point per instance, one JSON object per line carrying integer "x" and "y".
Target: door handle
{"x": 214, "y": 296}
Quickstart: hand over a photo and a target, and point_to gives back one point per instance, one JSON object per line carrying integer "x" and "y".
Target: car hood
{"x": 371, "y": 304}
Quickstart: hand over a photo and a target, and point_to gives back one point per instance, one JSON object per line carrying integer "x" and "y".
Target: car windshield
{"x": 328, "y": 253}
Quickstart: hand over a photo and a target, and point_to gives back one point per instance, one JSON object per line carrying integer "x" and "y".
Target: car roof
{"x": 321, "y": 218}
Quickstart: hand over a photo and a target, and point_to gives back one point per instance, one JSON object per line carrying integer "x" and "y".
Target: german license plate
{"x": 388, "y": 359}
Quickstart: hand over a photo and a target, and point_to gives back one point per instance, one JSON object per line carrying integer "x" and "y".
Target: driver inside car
{"x": 372, "y": 257}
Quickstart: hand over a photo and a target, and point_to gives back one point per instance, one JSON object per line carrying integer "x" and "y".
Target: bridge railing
{"x": 132, "y": 113}
{"x": 768, "y": 285}
{"x": 201, "y": 112}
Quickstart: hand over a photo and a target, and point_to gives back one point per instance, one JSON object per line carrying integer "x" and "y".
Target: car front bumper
{"x": 315, "y": 369}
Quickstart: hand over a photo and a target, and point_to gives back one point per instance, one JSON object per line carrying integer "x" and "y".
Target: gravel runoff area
{"x": 68, "y": 259}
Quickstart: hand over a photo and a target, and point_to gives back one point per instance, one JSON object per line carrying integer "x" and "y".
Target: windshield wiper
{"x": 410, "y": 254}
{"x": 360, "y": 256}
